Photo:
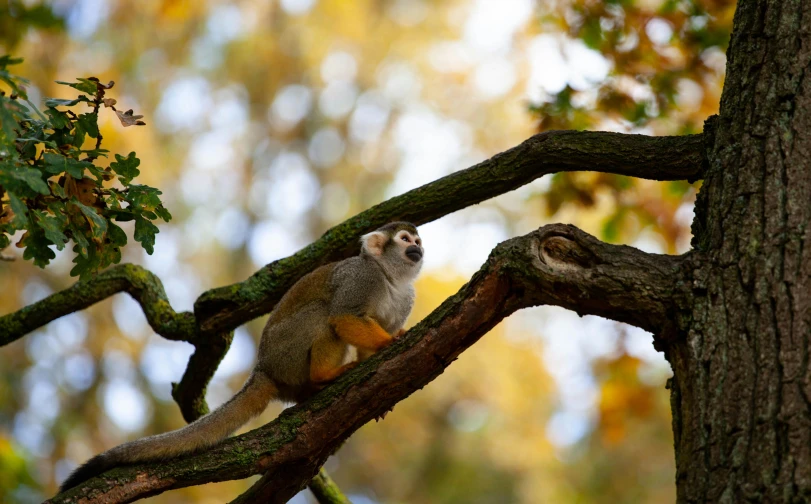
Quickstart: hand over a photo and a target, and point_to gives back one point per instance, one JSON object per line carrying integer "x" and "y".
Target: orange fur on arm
{"x": 363, "y": 333}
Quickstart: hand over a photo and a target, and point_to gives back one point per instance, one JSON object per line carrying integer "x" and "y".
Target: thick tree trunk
{"x": 741, "y": 392}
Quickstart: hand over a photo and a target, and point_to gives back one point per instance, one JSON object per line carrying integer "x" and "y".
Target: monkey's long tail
{"x": 206, "y": 431}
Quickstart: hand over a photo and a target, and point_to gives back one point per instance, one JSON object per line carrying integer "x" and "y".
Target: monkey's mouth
{"x": 414, "y": 253}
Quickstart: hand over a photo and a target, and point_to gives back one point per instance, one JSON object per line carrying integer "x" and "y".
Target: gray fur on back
{"x": 287, "y": 344}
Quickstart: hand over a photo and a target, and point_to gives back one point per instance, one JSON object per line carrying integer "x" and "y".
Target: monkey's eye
{"x": 404, "y": 238}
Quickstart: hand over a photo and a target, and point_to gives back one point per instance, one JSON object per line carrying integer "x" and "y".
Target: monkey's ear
{"x": 374, "y": 242}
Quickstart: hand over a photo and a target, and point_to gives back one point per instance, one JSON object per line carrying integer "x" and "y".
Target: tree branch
{"x": 325, "y": 490}
{"x": 138, "y": 282}
{"x": 190, "y": 393}
{"x": 557, "y": 265}
{"x": 322, "y": 487}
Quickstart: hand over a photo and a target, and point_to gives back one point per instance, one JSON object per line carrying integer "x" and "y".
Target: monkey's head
{"x": 397, "y": 246}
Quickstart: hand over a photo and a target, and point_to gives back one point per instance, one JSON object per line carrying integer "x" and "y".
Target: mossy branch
{"x": 558, "y": 265}
{"x": 326, "y": 491}
{"x": 140, "y": 283}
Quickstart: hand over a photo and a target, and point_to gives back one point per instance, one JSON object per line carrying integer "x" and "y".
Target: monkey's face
{"x": 398, "y": 248}
{"x": 409, "y": 246}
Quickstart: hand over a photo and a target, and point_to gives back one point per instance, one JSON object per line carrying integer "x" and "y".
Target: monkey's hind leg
{"x": 326, "y": 360}
{"x": 364, "y": 333}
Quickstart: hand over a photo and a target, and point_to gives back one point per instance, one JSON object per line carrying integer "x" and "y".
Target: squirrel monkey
{"x": 360, "y": 302}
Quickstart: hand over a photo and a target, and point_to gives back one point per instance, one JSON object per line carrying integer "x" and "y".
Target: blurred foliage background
{"x": 269, "y": 122}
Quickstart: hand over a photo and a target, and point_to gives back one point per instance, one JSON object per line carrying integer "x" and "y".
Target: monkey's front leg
{"x": 362, "y": 332}
{"x": 365, "y": 354}
{"x": 365, "y": 334}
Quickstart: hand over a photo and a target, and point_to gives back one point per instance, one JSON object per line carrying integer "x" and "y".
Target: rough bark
{"x": 557, "y": 264}
{"x": 741, "y": 392}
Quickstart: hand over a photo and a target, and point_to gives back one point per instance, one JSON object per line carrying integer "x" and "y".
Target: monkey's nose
{"x": 414, "y": 253}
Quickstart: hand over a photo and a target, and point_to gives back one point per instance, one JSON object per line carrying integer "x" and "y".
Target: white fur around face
{"x": 374, "y": 242}
{"x": 412, "y": 239}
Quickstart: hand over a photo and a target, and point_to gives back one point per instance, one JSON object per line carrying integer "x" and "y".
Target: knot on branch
{"x": 575, "y": 270}
{"x": 565, "y": 254}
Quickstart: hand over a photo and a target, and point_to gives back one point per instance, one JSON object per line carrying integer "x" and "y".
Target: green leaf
{"x": 28, "y": 150}
{"x": 86, "y": 124}
{"x": 111, "y": 253}
{"x": 84, "y": 85}
{"x": 78, "y": 135}
{"x": 82, "y": 244}
{"x": 7, "y": 60}
{"x": 94, "y": 153}
{"x": 126, "y": 167}
{"x": 58, "y": 102}
{"x": 163, "y": 213}
{"x": 58, "y": 163}
{"x": 116, "y": 235}
{"x": 89, "y": 123}
{"x": 145, "y": 233}
{"x": 58, "y": 190}
{"x": 97, "y": 172}
{"x": 37, "y": 247}
{"x": 143, "y": 198}
{"x": 52, "y": 228}
{"x": 32, "y": 177}
{"x": 59, "y": 138}
{"x": 59, "y": 119}
{"x": 98, "y": 224}
{"x": 20, "y": 211}
{"x": 121, "y": 215}
{"x": 108, "y": 256}
{"x": 85, "y": 264}
{"x": 8, "y": 120}
{"x": 48, "y": 143}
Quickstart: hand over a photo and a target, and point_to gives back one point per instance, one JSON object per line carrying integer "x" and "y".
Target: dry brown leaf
{"x": 86, "y": 194}
{"x": 129, "y": 119}
{"x": 83, "y": 189}
{"x": 6, "y": 216}
{"x": 69, "y": 185}
{"x": 21, "y": 244}
{"x": 109, "y": 102}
